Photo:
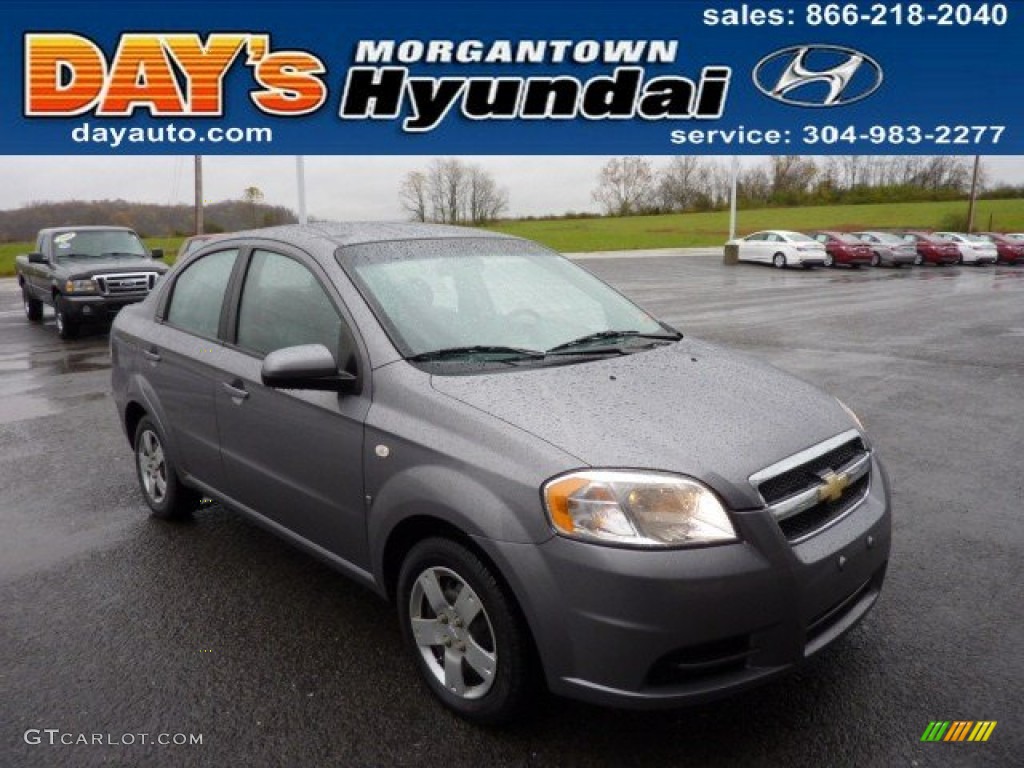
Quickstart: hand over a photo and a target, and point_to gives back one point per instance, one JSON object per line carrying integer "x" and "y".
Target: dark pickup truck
{"x": 86, "y": 274}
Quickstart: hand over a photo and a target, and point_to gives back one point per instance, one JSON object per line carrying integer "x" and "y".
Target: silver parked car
{"x": 888, "y": 249}
{"x": 551, "y": 484}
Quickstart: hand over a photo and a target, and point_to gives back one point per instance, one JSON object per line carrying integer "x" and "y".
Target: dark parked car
{"x": 1010, "y": 250}
{"x": 551, "y": 484}
{"x": 87, "y": 274}
{"x": 932, "y": 249}
{"x": 193, "y": 243}
{"x": 888, "y": 249}
{"x": 841, "y": 248}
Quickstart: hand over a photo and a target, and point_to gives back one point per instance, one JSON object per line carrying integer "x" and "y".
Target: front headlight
{"x": 639, "y": 509}
{"x": 80, "y": 286}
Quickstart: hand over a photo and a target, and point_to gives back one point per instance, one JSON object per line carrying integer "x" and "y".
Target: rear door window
{"x": 198, "y": 294}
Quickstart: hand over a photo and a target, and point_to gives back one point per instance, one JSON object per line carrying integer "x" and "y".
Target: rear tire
{"x": 876, "y": 259}
{"x": 466, "y": 634}
{"x": 830, "y": 260}
{"x": 33, "y": 307}
{"x": 918, "y": 260}
{"x": 158, "y": 479}
{"x": 779, "y": 260}
{"x": 66, "y": 327}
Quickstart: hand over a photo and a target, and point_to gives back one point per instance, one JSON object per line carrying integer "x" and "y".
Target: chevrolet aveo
{"x": 553, "y": 486}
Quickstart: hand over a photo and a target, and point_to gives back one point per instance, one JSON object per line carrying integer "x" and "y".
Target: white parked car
{"x": 781, "y": 248}
{"x": 973, "y": 249}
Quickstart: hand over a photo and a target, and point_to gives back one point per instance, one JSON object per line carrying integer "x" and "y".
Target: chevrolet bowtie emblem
{"x": 832, "y": 486}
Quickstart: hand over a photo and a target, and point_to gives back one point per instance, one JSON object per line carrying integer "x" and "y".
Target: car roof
{"x": 361, "y": 232}
{"x": 84, "y": 228}
{"x": 776, "y": 232}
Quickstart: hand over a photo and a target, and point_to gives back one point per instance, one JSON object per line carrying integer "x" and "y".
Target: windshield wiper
{"x": 583, "y": 341}
{"x": 124, "y": 253}
{"x": 456, "y": 352}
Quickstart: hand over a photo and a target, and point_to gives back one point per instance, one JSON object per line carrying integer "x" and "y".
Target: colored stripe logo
{"x": 958, "y": 730}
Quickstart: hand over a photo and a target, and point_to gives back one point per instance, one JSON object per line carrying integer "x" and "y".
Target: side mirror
{"x": 309, "y": 366}
{"x": 36, "y": 258}
{"x": 157, "y": 253}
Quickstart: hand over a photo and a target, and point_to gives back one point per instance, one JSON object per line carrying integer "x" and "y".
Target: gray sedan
{"x": 888, "y": 249}
{"x": 553, "y": 487}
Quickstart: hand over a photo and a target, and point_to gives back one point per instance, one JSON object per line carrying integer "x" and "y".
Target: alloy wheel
{"x": 453, "y": 633}
{"x": 152, "y": 466}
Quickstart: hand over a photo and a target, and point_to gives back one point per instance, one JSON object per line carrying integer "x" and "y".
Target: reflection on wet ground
{"x": 21, "y": 407}
{"x": 50, "y": 362}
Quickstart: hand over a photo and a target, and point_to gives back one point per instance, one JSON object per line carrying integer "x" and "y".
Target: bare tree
{"x": 754, "y": 185}
{"x": 681, "y": 184}
{"x": 412, "y": 195}
{"x": 625, "y": 186}
{"x": 486, "y": 200}
{"x": 254, "y": 197}
{"x": 451, "y": 191}
{"x": 792, "y": 173}
{"x": 846, "y": 171}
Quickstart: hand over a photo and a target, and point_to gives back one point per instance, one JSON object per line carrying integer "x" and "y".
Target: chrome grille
{"x": 127, "y": 283}
{"x": 816, "y": 488}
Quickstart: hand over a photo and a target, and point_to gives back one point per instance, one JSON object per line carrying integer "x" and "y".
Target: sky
{"x": 337, "y": 187}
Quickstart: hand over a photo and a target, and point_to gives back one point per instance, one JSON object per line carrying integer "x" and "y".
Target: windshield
{"x": 98, "y": 243}
{"x": 796, "y": 237}
{"x": 453, "y": 293}
{"x": 886, "y": 237}
{"x": 849, "y": 239}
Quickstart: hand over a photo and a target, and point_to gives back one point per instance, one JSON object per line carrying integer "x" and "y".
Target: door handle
{"x": 152, "y": 355}
{"x": 236, "y": 392}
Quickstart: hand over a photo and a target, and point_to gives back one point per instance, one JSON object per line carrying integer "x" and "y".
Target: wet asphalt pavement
{"x": 114, "y": 623}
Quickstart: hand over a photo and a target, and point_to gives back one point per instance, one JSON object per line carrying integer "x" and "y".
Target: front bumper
{"x": 894, "y": 259}
{"x": 97, "y": 308}
{"x": 984, "y": 258}
{"x": 647, "y": 629}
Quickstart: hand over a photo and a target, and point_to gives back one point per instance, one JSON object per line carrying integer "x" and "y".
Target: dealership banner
{"x": 660, "y": 78}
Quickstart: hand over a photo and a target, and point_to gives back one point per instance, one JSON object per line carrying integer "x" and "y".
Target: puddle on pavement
{"x": 56, "y": 362}
{"x": 23, "y": 407}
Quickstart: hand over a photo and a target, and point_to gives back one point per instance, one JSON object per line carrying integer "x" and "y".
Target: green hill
{"x": 683, "y": 230}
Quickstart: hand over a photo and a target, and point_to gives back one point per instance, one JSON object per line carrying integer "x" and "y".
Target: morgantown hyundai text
{"x": 550, "y": 484}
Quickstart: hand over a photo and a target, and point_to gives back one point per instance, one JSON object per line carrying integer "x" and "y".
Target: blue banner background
{"x": 933, "y": 75}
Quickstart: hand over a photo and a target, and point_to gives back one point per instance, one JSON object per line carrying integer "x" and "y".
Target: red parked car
{"x": 1010, "y": 251}
{"x": 932, "y": 249}
{"x": 841, "y": 248}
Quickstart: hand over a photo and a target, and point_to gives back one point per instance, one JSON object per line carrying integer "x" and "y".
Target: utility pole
{"x": 199, "y": 193}
{"x": 732, "y": 197}
{"x": 300, "y": 176}
{"x": 974, "y": 194}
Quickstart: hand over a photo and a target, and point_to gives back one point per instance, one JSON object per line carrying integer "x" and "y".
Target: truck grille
{"x": 816, "y": 488}
{"x": 127, "y": 283}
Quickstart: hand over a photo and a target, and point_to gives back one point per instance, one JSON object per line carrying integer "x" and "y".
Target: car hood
{"x": 688, "y": 407}
{"x": 89, "y": 267}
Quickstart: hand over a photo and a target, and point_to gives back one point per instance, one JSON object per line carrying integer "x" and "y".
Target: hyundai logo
{"x": 817, "y": 75}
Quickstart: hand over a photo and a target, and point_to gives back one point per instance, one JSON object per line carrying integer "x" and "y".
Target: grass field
{"x": 711, "y": 229}
{"x": 682, "y": 230}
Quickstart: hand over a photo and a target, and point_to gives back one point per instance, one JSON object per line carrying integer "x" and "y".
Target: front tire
{"x": 830, "y": 260}
{"x": 158, "y": 479}
{"x": 918, "y": 260}
{"x": 876, "y": 259}
{"x": 66, "y": 327}
{"x": 33, "y": 307}
{"x": 465, "y": 633}
{"x": 779, "y": 260}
